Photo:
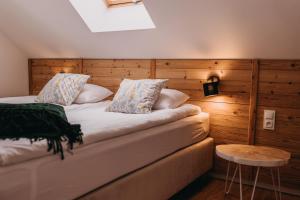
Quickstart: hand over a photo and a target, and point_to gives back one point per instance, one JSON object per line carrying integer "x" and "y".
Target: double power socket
{"x": 269, "y": 120}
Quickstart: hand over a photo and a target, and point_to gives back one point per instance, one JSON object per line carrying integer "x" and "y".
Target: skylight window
{"x": 103, "y": 16}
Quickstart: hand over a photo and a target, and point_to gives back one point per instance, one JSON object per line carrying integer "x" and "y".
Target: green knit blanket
{"x": 37, "y": 122}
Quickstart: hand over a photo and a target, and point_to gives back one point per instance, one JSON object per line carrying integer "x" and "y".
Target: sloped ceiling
{"x": 185, "y": 29}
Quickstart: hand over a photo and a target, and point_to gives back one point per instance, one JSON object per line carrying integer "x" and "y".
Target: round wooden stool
{"x": 255, "y": 156}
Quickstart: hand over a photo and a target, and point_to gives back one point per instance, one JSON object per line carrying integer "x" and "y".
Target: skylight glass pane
{"x": 99, "y": 18}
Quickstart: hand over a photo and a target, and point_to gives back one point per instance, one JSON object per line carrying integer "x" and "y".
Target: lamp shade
{"x": 212, "y": 87}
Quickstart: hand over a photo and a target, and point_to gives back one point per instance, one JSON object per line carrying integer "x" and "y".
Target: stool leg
{"x": 256, "y": 177}
{"x": 241, "y": 187}
{"x": 273, "y": 181}
{"x": 227, "y": 174}
{"x": 236, "y": 168}
{"x": 279, "y": 189}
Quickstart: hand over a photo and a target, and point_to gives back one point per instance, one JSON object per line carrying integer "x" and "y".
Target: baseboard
{"x": 261, "y": 185}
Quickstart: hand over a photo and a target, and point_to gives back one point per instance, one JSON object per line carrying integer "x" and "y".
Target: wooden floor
{"x": 213, "y": 189}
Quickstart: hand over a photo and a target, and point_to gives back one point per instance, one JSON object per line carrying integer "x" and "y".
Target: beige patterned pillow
{"x": 62, "y": 89}
{"x": 136, "y": 96}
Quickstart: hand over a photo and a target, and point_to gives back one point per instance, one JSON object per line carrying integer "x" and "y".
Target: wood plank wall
{"x": 110, "y": 73}
{"x": 42, "y": 70}
{"x": 229, "y": 111}
{"x": 279, "y": 90}
{"x": 233, "y": 114}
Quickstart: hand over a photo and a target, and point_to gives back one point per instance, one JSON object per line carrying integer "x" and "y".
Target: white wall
{"x": 13, "y": 69}
{"x": 184, "y": 29}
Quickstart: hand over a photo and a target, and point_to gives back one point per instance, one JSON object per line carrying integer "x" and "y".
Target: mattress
{"x": 106, "y": 155}
{"x": 96, "y": 125}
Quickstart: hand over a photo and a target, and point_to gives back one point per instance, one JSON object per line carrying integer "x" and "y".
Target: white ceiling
{"x": 185, "y": 29}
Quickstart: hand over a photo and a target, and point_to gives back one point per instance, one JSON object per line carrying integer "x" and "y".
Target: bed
{"x": 121, "y": 152}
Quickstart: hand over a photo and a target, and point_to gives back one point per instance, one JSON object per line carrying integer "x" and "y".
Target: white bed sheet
{"x": 99, "y": 163}
{"x": 96, "y": 124}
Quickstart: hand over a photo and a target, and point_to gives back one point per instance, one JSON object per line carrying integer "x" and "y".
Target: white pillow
{"x": 170, "y": 99}
{"x": 62, "y": 89}
{"x": 92, "y": 94}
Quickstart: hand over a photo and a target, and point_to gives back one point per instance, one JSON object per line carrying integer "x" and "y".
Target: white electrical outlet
{"x": 269, "y": 119}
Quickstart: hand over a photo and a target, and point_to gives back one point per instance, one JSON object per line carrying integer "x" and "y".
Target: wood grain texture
{"x": 279, "y": 90}
{"x": 110, "y": 73}
{"x": 253, "y": 102}
{"x": 153, "y": 69}
{"x": 42, "y": 70}
{"x": 250, "y": 155}
{"x": 230, "y": 109}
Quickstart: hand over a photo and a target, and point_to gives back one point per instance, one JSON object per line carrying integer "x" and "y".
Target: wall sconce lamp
{"x": 211, "y": 87}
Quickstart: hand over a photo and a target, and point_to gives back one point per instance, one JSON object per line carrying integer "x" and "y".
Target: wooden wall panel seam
{"x": 253, "y": 102}
{"x": 153, "y": 69}
{"x": 81, "y": 66}
{"x": 30, "y": 76}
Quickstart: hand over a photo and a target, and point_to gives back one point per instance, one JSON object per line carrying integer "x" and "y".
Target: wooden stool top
{"x": 253, "y": 155}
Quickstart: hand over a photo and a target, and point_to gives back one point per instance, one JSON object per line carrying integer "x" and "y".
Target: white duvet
{"x": 96, "y": 124}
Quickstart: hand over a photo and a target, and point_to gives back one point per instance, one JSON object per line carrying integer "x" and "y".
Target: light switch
{"x": 269, "y": 119}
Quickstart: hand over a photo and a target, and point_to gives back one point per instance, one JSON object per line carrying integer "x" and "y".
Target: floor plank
{"x": 207, "y": 188}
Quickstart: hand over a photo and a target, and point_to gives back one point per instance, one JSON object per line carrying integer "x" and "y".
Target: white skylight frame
{"x": 121, "y": 2}
{"x": 100, "y": 18}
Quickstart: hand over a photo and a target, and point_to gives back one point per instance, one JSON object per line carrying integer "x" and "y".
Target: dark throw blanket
{"x": 37, "y": 122}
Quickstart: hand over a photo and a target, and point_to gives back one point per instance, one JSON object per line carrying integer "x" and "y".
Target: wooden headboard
{"x": 108, "y": 73}
{"x": 42, "y": 70}
{"x": 229, "y": 109}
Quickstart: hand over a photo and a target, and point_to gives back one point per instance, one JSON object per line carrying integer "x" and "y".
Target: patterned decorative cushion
{"x": 136, "y": 96}
{"x": 62, "y": 89}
